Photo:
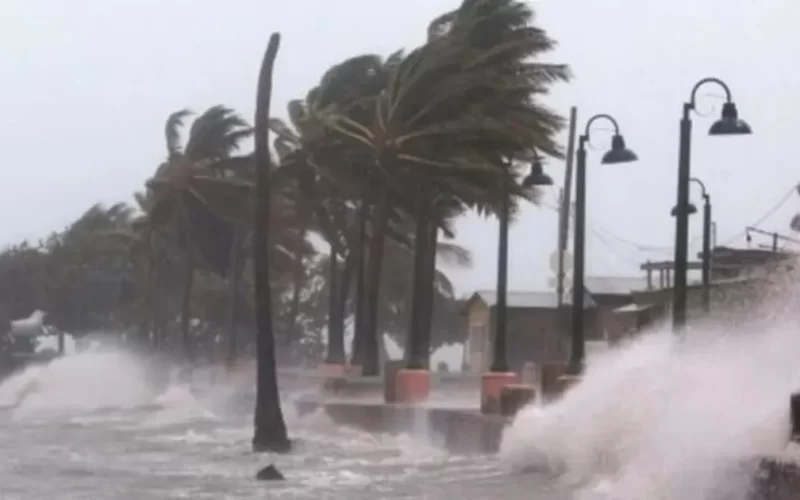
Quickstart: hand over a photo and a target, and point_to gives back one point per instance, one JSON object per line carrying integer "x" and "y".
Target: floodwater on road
{"x": 88, "y": 427}
{"x": 661, "y": 418}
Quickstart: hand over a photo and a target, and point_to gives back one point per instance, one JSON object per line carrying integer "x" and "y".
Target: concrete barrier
{"x": 551, "y": 372}
{"x": 352, "y": 386}
{"x": 457, "y": 430}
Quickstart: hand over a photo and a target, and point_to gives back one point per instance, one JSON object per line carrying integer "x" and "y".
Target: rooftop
{"x": 534, "y": 299}
{"x": 597, "y": 285}
{"x": 615, "y": 285}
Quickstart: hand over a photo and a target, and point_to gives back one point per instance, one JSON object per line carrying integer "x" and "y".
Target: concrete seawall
{"x": 458, "y": 430}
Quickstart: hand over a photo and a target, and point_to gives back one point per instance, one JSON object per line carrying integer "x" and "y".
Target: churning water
{"x": 98, "y": 425}
{"x": 668, "y": 418}
{"x": 659, "y": 419}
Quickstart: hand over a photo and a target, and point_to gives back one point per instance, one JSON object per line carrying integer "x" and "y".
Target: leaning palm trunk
{"x": 335, "y": 354}
{"x": 146, "y": 323}
{"x": 160, "y": 304}
{"x": 235, "y": 270}
{"x": 380, "y": 223}
{"x": 186, "y": 309}
{"x": 418, "y": 343}
{"x": 359, "y": 330}
{"x": 342, "y": 297}
{"x": 270, "y": 428}
{"x": 298, "y": 273}
{"x": 427, "y": 283}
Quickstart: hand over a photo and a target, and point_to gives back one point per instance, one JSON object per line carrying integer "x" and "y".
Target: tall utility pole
{"x": 563, "y": 209}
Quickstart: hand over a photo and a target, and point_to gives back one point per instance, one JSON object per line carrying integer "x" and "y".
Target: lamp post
{"x": 618, "y": 153}
{"x": 706, "y": 273}
{"x": 728, "y": 124}
{"x": 536, "y": 177}
{"x": 500, "y": 374}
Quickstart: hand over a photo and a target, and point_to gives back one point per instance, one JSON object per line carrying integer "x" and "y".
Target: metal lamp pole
{"x": 537, "y": 177}
{"x": 706, "y": 269}
{"x": 706, "y": 248}
{"x": 728, "y": 124}
{"x": 617, "y": 154}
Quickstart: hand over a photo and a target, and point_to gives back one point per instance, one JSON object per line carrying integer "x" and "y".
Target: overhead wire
{"x": 598, "y": 229}
{"x": 764, "y": 217}
{"x": 600, "y": 237}
{"x": 603, "y": 241}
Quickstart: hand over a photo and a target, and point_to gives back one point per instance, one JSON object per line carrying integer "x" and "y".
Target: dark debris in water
{"x": 270, "y": 473}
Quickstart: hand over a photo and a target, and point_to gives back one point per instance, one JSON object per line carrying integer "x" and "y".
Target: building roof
{"x": 532, "y": 299}
{"x": 615, "y": 285}
{"x": 633, "y": 308}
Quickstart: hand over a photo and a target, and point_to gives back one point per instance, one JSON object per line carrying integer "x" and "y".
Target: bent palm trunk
{"x": 335, "y": 355}
{"x": 235, "y": 274}
{"x": 359, "y": 330}
{"x": 270, "y": 428}
{"x": 417, "y": 344}
{"x": 298, "y": 275}
{"x": 428, "y": 284}
{"x": 186, "y": 313}
{"x": 371, "y": 361}
{"x": 343, "y": 296}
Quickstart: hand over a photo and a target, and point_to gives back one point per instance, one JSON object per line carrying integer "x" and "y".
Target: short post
{"x": 794, "y": 416}
{"x": 390, "y": 371}
{"x": 514, "y": 397}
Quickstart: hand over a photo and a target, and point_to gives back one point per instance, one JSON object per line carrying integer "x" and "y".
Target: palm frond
{"x": 216, "y": 134}
{"x": 453, "y": 254}
{"x": 172, "y": 132}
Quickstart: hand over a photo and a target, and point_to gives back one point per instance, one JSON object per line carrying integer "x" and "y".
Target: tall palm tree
{"x": 146, "y": 251}
{"x": 270, "y": 428}
{"x": 199, "y": 207}
{"x": 347, "y": 86}
{"x": 97, "y": 271}
{"x": 324, "y": 184}
{"x": 455, "y": 111}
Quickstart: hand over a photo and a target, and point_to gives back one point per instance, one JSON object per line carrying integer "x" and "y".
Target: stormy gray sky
{"x": 85, "y": 87}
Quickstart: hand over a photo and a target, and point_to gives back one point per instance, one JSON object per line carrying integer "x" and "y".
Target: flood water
{"x": 660, "y": 419}
{"x": 76, "y": 437}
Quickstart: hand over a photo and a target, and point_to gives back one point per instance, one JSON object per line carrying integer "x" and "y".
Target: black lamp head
{"x": 537, "y": 177}
{"x": 729, "y": 123}
{"x": 795, "y": 224}
{"x": 619, "y": 153}
{"x": 691, "y": 210}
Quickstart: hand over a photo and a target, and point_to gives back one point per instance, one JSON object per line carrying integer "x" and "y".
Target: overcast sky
{"x": 87, "y": 84}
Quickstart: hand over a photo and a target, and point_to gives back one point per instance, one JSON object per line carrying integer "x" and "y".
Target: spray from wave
{"x": 667, "y": 417}
{"x": 83, "y": 382}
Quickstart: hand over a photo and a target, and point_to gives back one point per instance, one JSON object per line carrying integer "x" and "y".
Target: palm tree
{"x": 146, "y": 250}
{"x": 326, "y": 182}
{"x": 450, "y": 119}
{"x": 95, "y": 276}
{"x": 341, "y": 167}
{"x": 399, "y": 285}
{"x": 194, "y": 204}
{"x": 270, "y": 428}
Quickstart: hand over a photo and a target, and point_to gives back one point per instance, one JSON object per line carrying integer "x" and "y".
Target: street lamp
{"x": 691, "y": 209}
{"x": 536, "y": 177}
{"x": 618, "y": 153}
{"x": 728, "y": 124}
